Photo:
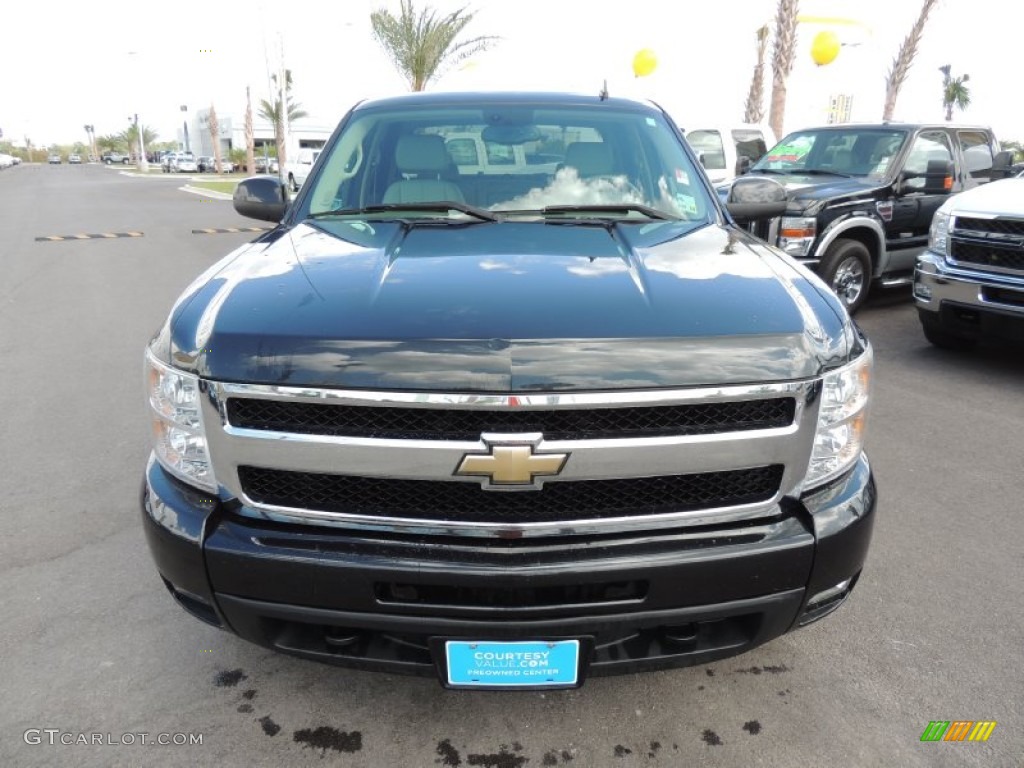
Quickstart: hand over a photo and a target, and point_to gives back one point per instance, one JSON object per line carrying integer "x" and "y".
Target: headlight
{"x": 796, "y": 235}
{"x": 938, "y": 233}
{"x": 842, "y": 418}
{"x": 179, "y": 440}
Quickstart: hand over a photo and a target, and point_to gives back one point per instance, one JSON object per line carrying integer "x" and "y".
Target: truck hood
{"x": 510, "y": 306}
{"x": 809, "y": 189}
{"x": 998, "y": 198}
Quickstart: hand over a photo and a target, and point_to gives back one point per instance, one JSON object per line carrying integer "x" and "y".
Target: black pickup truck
{"x": 513, "y": 429}
{"x": 862, "y": 196}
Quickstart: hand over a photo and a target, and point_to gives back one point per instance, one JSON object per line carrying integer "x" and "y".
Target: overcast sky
{"x": 101, "y": 62}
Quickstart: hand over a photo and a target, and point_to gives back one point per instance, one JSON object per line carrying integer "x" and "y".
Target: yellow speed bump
{"x": 91, "y": 236}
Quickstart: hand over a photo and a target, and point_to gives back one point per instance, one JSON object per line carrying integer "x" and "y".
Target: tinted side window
{"x": 749, "y": 144}
{"x": 926, "y": 148}
{"x": 977, "y": 153}
{"x": 708, "y": 147}
{"x": 463, "y": 151}
{"x": 500, "y": 154}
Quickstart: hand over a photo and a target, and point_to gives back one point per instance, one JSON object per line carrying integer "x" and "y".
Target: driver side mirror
{"x": 261, "y": 197}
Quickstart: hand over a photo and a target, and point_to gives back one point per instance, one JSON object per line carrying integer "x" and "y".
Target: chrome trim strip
{"x": 594, "y": 459}
{"x": 528, "y": 400}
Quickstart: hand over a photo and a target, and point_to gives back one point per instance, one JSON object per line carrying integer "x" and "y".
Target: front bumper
{"x": 968, "y": 303}
{"x": 387, "y": 602}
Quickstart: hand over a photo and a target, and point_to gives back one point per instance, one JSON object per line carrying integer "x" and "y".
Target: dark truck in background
{"x": 508, "y": 429}
{"x": 862, "y": 196}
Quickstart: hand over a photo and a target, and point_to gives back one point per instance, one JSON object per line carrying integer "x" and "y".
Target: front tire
{"x": 847, "y": 270}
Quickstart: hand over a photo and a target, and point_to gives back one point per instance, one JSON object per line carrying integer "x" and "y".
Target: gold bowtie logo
{"x": 511, "y": 465}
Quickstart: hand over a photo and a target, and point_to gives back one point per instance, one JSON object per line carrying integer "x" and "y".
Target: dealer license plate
{"x": 520, "y": 664}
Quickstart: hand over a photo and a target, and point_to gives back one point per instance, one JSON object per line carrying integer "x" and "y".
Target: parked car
{"x": 266, "y": 164}
{"x": 74, "y": 159}
{"x": 862, "y": 196}
{"x": 55, "y": 159}
{"x": 729, "y": 151}
{"x": 969, "y": 283}
{"x": 7, "y": 161}
{"x": 508, "y": 430}
{"x": 208, "y": 164}
{"x": 184, "y": 164}
{"x": 111, "y": 158}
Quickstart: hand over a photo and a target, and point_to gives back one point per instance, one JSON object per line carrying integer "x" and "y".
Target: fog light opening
{"x": 922, "y": 291}
{"x": 823, "y": 603}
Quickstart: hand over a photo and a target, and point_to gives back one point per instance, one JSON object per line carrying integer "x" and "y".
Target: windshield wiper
{"x": 824, "y": 172}
{"x": 770, "y": 170}
{"x": 438, "y": 207}
{"x": 646, "y": 210}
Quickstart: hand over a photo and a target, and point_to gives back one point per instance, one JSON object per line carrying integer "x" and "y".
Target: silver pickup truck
{"x": 969, "y": 283}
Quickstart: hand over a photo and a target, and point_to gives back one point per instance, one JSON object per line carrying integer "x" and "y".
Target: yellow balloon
{"x": 825, "y": 48}
{"x": 644, "y": 62}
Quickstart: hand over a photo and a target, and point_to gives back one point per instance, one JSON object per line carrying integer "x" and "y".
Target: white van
{"x": 728, "y": 151}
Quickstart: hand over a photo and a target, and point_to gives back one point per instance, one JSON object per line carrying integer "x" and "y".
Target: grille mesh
{"x": 988, "y": 255}
{"x": 999, "y": 226}
{"x": 468, "y": 502}
{"x": 563, "y": 424}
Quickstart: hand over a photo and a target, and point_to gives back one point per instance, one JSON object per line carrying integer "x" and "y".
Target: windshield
{"x": 602, "y": 161}
{"x": 843, "y": 152}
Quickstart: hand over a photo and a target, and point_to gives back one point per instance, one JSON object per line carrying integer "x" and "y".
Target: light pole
{"x": 184, "y": 109}
{"x": 143, "y": 163}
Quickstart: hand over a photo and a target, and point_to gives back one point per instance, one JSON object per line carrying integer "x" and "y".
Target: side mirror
{"x": 938, "y": 178}
{"x": 261, "y": 197}
{"x": 743, "y": 164}
{"x": 1002, "y": 165}
{"x": 755, "y": 198}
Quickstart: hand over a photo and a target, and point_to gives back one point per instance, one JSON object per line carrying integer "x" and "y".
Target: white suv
{"x": 728, "y": 151}
{"x": 299, "y": 170}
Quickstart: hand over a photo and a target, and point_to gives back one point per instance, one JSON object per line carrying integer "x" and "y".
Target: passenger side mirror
{"x": 755, "y": 198}
{"x": 261, "y": 197}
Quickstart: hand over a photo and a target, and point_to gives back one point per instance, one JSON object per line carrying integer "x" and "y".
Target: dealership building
{"x": 306, "y": 133}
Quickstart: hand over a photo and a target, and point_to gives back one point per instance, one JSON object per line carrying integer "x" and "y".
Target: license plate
{"x": 525, "y": 664}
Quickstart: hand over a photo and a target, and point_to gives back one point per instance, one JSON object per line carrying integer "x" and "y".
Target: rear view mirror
{"x": 510, "y": 134}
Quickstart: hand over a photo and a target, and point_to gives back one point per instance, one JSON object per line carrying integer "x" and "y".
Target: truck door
{"x": 914, "y": 207}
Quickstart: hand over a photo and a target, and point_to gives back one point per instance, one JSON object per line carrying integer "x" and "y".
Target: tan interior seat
{"x": 427, "y": 158}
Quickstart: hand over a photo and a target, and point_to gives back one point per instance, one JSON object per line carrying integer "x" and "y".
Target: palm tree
{"x": 271, "y": 110}
{"x": 754, "y": 108}
{"x": 904, "y": 59}
{"x": 783, "y": 55}
{"x": 250, "y": 144}
{"x": 422, "y": 44}
{"x": 954, "y": 92}
{"x": 214, "y": 126}
{"x": 130, "y": 137}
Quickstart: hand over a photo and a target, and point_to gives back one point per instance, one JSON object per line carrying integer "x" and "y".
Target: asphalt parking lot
{"x": 92, "y": 644}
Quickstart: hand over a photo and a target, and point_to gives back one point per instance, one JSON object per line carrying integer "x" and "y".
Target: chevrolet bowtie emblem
{"x": 512, "y": 464}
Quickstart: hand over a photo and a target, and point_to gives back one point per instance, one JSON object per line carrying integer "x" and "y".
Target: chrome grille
{"x": 995, "y": 245}
{"x": 640, "y": 460}
{"x": 433, "y": 424}
{"x": 445, "y": 500}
